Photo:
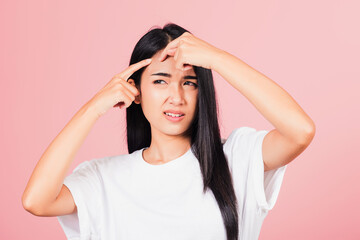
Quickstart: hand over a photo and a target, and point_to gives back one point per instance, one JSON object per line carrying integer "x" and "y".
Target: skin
{"x": 294, "y": 129}
{"x": 45, "y": 194}
{"x": 176, "y": 93}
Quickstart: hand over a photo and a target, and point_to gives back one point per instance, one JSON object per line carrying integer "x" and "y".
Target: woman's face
{"x": 165, "y": 89}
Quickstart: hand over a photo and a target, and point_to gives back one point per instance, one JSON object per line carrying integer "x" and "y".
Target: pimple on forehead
{"x": 166, "y": 66}
{"x": 156, "y": 57}
{"x": 155, "y": 64}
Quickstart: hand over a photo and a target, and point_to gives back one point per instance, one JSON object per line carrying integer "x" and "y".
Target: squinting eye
{"x": 156, "y": 81}
{"x": 194, "y": 84}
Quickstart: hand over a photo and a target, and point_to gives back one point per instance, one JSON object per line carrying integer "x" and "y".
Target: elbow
{"x": 27, "y": 204}
{"x": 29, "y": 207}
{"x": 308, "y": 135}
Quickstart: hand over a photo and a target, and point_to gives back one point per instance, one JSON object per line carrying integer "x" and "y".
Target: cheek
{"x": 192, "y": 99}
{"x": 151, "y": 102}
{"x": 149, "y": 92}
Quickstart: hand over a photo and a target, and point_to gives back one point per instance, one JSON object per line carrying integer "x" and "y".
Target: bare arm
{"x": 48, "y": 176}
{"x": 45, "y": 194}
{"x": 294, "y": 129}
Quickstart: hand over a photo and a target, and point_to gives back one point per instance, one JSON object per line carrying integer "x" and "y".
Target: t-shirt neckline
{"x": 175, "y": 162}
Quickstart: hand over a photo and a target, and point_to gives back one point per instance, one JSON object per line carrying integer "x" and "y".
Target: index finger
{"x": 173, "y": 44}
{"x": 133, "y": 68}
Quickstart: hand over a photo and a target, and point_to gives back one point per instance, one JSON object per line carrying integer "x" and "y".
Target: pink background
{"x": 55, "y": 55}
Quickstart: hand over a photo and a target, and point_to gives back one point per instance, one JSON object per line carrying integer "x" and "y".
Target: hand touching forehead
{"x": 166, "y": 66}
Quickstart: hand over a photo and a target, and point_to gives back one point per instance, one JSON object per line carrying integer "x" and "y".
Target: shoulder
{"x": 242, "y": 143}
{"x": 108, "y": 163}
{"x": 244, "y": 135}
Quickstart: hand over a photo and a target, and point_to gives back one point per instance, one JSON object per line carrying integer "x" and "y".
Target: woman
{"x": 179, "y": 180}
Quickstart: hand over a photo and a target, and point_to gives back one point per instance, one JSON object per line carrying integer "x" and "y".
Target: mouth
{"x": 174, "y": 117}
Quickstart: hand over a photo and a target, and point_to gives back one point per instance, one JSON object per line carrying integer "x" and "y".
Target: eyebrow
{"x": 169, "y": 75}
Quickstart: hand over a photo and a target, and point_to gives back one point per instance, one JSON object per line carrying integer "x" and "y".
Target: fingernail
{"x": 148, "y": 60}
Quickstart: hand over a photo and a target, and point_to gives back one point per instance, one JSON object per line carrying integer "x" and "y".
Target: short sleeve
{"x": 244, "y": 145}
{"x": 84, "y": 184}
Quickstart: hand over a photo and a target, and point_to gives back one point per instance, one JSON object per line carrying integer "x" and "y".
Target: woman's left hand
{"x": 190, "y": 50}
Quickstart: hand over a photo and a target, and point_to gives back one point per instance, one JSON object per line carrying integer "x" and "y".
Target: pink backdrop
{"x": 55, "y": 55}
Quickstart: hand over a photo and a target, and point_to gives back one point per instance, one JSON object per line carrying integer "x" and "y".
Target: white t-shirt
{"x": 124, "y": 197}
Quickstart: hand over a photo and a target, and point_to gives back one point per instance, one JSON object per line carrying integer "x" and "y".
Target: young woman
{"x": 180, "y": 180}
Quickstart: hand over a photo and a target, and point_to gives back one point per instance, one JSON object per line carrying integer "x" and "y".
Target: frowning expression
{"x": 165, "y": 89}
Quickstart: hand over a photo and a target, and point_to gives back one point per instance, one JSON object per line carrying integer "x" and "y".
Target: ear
{"x": 138, "y": 97}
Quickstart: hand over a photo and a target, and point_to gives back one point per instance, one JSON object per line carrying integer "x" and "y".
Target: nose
{"x": 176, "y": 94}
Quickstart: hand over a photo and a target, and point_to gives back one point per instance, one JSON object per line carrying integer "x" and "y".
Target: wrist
{"x": 218, "y": 59}
{"x": 91, "y": 110}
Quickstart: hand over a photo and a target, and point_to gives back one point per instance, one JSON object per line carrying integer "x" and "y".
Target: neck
{"x": 164, "y": 148}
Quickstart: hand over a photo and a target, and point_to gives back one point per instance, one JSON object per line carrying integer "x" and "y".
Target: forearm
{"x": 273, "y": 102}
{"x": 47, "y": 178}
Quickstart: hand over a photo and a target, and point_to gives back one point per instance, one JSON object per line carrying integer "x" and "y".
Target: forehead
{"x": 166, "y": 66}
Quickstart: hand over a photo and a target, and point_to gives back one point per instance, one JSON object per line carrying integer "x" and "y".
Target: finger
{"x": 123, "y": 104}
{"x": 129, "y": 97}
{"x": 187, "y": 67}
{"x": 171, "y": 52}
{"x": 126, "y": 97}
{"x": 130, "y": 87}
{"x": 179, "y": 61}
{"x": 178, "y": 64}
{"x": 173, "y": 44}
{"x": 167, "y": 52}
{"x": 134, "y": 67}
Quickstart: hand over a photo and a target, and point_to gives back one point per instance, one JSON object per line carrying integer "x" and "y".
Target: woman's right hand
{"x": 118, "y": 92}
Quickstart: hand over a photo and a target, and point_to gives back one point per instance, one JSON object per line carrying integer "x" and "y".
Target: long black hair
{"x": 206, "y": 142}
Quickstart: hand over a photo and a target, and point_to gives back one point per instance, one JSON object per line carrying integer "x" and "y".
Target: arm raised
{"x": 45, "y": 193}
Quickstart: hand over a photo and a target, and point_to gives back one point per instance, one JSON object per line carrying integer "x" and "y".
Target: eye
{"x": 157, "y": 81}
{"x": 191, "y": 83}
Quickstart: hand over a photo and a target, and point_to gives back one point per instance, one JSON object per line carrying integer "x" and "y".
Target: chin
{"x": 175, "y": 131}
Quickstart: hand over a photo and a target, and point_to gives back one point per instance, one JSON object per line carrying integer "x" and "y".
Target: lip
{"x": 174, "y": 112}
{"x": 173, "y": 119}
